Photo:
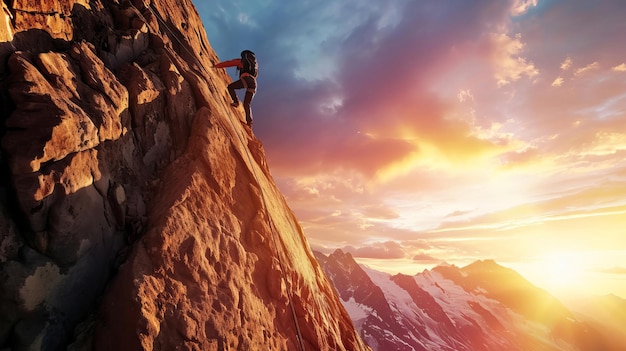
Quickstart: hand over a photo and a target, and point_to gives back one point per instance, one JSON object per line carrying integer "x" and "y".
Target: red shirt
{"x": 229, "y": 63}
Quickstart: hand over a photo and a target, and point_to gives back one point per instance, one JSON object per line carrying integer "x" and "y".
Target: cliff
{"x": 137, "y": 211}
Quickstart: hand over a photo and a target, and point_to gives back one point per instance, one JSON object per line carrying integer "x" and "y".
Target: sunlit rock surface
{"x": 137, "y": 211}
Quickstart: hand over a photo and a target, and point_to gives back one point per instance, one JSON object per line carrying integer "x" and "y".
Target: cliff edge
{"x": 137, "y": 211}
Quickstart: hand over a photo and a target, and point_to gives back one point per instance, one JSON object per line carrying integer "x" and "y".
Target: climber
{"x": 248, "y": 71}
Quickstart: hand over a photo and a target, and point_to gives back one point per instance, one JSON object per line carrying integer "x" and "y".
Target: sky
{"x": 412, "y": 133}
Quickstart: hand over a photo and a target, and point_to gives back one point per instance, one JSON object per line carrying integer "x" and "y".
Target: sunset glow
{"x": 564, "y": 270}
{"x": 415, "y": 133}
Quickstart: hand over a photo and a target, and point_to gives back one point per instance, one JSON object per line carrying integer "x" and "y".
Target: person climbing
{"x": 248, "y": 71}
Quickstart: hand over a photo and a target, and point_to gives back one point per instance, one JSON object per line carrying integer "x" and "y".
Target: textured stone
{"x": 126, "y": 169}
{"x": 10, "y": 242}
{"x": 45, "y": 126}
{"x": 6, "y": 36}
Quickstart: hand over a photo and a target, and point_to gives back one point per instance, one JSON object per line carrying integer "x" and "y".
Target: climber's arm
{"x": 229, "y": 63}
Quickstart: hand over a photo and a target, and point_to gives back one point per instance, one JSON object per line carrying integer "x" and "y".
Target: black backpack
{"x": 250, "y": 65}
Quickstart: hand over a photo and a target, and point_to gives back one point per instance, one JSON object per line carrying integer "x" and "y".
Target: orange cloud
{"x": 588, "y": 68}
{"x": 613, "y": 270}
{"x": 557, "y": 82}
{"x": 510, "y": 66}
{"x": 620, "y": 68}
{"x": 423, "y": 257}
{"x": 567, "y": 64}
{"x": 379, "y": 212}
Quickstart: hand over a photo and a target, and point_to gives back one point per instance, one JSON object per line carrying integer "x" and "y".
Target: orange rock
{"x": 118, "y": 135}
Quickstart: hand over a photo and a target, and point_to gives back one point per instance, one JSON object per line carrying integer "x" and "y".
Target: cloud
{"x": 614, "y": 270}
{"x": 567, "y": 64}
{"x": 328, "y": 117}
{"x": 465, "y": 95}
{"x": 589, "y": 67}
{"x": 510, "y": 66}
{"x": 379, "y": 250}
{"x": 557, "y": 82}
{"x": 370, "y": 106}
{"x": 425, "y": 258}
{"x": 457, "y": 214}
{"x": 522, "y": 6}
{"x": 620, "y": 68}
{"x": 525, "y": 157}
{"x": 379, "y": 212}
{"x": 530, "y": 230}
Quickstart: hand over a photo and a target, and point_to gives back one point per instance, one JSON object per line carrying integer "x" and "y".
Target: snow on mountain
{"x": 483, "y": 306}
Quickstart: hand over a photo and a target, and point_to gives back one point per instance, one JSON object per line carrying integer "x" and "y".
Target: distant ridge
{"x": 482, "y": 306}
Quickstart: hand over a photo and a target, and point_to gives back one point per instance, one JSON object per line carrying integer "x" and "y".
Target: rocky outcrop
{"x": 136, "y": 211}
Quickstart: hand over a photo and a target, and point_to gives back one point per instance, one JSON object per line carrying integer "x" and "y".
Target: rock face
{"x": 137, "y": 212}
{"x": 482, "y": 306}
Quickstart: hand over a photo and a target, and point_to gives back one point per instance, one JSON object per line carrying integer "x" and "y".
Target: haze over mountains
{"x": 482, "y": 306}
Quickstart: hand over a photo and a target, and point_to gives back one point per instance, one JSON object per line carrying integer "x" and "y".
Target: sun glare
{"x": 563, "y": 271}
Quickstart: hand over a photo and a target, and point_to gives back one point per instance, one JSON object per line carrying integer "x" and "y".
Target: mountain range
{"x": 480, "y": 307}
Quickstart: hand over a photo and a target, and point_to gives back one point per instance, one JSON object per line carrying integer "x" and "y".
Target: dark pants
{"x": 248, "y": 83}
